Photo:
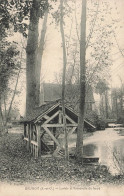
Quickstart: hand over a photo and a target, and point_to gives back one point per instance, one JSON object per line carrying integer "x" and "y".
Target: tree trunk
{"x": 63, "y": 77}
{"x": 39, "y": 58}
{"x": 31, "y": 52}
{"x": 79, "y": 144}
{"x": 116, "y": 104}
{"x": 106, "y": 105}
{"x": 1, "y": 120}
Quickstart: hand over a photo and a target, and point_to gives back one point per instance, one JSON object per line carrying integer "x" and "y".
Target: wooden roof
{"x": 45, "y": 109}
{"x": 40, "y": 111}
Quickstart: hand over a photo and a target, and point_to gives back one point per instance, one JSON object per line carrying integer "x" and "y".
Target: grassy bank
{"x": 17, "y": 166}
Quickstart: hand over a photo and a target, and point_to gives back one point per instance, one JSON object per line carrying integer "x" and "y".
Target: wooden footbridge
{"x": 44, "y": 126}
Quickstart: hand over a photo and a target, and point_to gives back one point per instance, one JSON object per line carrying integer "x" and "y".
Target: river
{"x": 108, "y": 145}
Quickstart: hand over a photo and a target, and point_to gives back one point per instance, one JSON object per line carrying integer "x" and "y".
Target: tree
{"x": 26, "y": 11}
{"x": 102, "y": 89}
{"x": 17, "y": 22}
{"x": 79, "y": 144}
{"x": 40, "y": 51}
{"x": 117, "y": 99}
{"x": 31, "y": 51}
{"x": 32, "y": 84}
{"x": 63, "y": 77}
{"x": 8, "y": 69}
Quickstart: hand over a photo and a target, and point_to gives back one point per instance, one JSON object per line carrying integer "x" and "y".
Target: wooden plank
{"x": 52, "y": 136}
{"x": 89, "y": 123}
{"x": 57, "y": 134}
{"x": 73, "y": 129}
{"x": 52, "y": 117}
{"x": 31, "y": 149}
{"x": 72, "y": 121}
{"x": 42, "y": 134}
{"x": 45, "y": 113}
{"x": 59, "y": 125}
{"x": 71, "y": 110}
{"x": 34, "y": 142}
{"x": 38, "y": 139}
{"x": 25, "y": 127}
{"x": 25, "y": 138}
{"x": 60, "y": 117}
{"x": 37, "y": 152}
{"x": 29, "y": 138}
{"x": 72, "y": 125}
{"x": 46, "y": 116}
{"x": 52, "y": 125}
{"x": 54, "y": 133}
{"x": 56, "y": 151}
{"x": 45, "y": 145}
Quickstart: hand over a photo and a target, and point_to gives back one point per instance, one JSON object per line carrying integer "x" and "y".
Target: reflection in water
{"x": 90, "y": 150}
{"x": 108, "y": 146}
{"x": 118, "y": 155}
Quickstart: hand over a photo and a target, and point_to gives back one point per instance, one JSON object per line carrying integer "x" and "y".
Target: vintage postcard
{"x": 61, "y": 97}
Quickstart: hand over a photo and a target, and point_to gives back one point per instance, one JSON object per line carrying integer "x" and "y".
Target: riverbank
{"x": 18, "y": 167}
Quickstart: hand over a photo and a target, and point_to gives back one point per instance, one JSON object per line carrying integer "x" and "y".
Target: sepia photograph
{"x": 61, "y": 97}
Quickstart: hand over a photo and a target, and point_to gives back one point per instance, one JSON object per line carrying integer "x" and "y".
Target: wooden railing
{"x": 34, "y": 148}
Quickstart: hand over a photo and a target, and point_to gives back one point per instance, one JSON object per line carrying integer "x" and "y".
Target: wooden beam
{"x": 29, "y": 137}
{"x": 52, "y": 136}
{"x": 60, "y": 117}
{"x": 42, "y": 134}
{"x": 57, "y": 134}
{"x": 49, "y": 110}
{"x": 54, "y": 133}
{"x": 25, "y": 125}
{"x": 59, "y": 125}
{"x": 46, "y": 116}
{"x": 89, "y": 123}
{"x": 56, "y": 151}
{"x": 38, "y": 139}
{"x": 72, "y": 121}
{"x": 72, "y": 130}
{"x": 52, "y": 117}
{"x": 26, "y": 138}
{"x": 34, "y": 142}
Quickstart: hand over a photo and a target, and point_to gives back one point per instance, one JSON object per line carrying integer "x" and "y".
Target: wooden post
{"x": 25, "y": 129}
{"x": 54, "y": 133}
{"x": 31, "y": 149}
{"x": 38, "y": 139}
{"x": 35, "y": 156}
{"x": 31, "y": 127}
{"x": 60, "y": 117}
{"x": 37, "y": 151}
{"x": 29, "y": 138}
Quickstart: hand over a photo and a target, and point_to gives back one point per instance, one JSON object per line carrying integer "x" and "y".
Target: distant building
{"x": 52, "y": 92}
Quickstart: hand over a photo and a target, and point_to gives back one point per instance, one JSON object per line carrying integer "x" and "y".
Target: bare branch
{"x": 92, "y": 28}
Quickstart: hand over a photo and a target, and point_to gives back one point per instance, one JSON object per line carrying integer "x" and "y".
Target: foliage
{"x": 8, "y": 52}
{"x": 15, "y": 16}
{"x": 17, "y": 13}
{"x": 117, "y": 97}
{"x": 101, "y": 87}
{"x": 99, "y": 42}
